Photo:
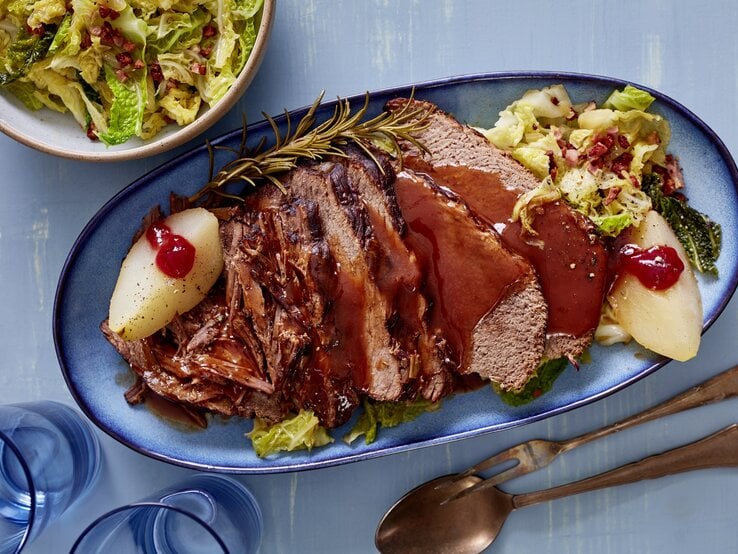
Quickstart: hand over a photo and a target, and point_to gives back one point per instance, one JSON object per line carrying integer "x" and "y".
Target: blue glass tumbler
{"x": 204, "y": 513}
{"x": 49, "y": 458}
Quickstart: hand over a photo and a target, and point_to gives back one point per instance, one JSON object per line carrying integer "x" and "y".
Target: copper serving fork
{"x": 537, "y": 453}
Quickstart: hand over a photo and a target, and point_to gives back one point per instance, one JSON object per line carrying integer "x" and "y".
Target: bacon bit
{"x": 108, "y": 13}
{"x": 124, "y": 59}
{"x": 572, "y": 114}
{"x": 129, "y": 46}
{"x": 110, "y": 36}
{"x": 156, "y": 73}
{"x": 86, "y": 41}
{"x": 597, "y": 150}
{"x": 209, "y": 31}
{"x": 560, "y": 142}
{"x": 90, "y": 132}
{"x": 635, "y": 181}
{"x": 572, "y": 157}
{"x": 38, "y": 31}
{"x": 121, "y": 75}
{"x": 139, "y": 64}
{"x": 95, "y": 30}
{"x": 552, "y": 169}
{"x": 171, "y": 83}
{"x": 675, "y": 172}
{"x": 666, "y": 184}
{"x": 623, "y": 142}
{"x": 106, "y": 34}
{"x": 595, "y": 165}
{"x": 198, "y": 68}
{"x": 554, "y": 101}
{"x": 612, "y": 194}
{"x": 168, "y": 119}
{"x": 622, "y": 163}
{"x": 205, "y": 52}
{"x": 603, "y": 144}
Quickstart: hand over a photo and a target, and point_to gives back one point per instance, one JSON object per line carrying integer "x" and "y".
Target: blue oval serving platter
{"x": 98, "y": 377}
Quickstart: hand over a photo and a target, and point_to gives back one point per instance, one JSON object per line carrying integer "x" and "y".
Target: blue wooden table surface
{"x": 686, "y": 49}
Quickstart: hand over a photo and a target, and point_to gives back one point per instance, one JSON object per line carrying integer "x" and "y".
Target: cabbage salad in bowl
{"x": 124, "y": 68}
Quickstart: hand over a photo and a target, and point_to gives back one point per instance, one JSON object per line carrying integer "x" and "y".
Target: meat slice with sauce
{"x": 398, "y": 275}
{"x": 486, "y": 306}
{"x": 570, "y": 261}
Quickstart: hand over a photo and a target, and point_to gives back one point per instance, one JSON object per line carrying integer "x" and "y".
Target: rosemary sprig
{"x": 311, "y": 142}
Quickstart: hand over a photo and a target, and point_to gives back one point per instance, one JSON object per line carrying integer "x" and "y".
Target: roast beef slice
{"x": 448, "y": 142}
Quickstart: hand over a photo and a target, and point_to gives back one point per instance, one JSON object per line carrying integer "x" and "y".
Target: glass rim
{"x": 138, "y": 505}
{"x": 31, "y": 489}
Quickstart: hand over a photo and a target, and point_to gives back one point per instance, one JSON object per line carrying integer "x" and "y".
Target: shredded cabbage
{"x": 387, "y": 414}
{"x": 302, "y": 431}
{"x": 124, "y": 68}
{"x": 593, "y": 157}
{"x": 630, "y": 98}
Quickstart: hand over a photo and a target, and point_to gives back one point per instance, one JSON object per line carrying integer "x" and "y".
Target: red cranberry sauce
{"x": 657, "y": 267}
{"x": 175, "y": 255}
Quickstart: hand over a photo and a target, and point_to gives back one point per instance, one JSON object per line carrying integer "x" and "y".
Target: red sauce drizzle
{"x": 175, "y": 255}
{"x": 657, "y": 268}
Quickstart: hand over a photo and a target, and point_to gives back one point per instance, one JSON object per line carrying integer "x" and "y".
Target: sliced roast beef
{"x": 399, "y": 277}
{"x": 281, "y": 283}
{"x": 358, "y": 306}
{"x": 567, "y": 256}
{"x": 487, "y": 310}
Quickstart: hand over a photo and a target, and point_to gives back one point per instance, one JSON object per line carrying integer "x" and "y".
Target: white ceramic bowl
{"x": 59, "y": 134}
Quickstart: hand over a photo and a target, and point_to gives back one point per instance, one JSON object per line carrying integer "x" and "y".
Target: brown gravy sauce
{"x": 571, "y": 267}
{"x": 347, "y": 355}
{"x": 338, "y": 356}
{"x": 464, "y": 278}
{"x": 398, "y": 279}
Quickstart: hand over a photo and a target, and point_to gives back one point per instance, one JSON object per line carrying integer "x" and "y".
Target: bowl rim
{"x": 184, "y": 134}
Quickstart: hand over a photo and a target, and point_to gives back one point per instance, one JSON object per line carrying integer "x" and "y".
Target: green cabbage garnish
{"x": 126, "y": 110}
{"x": 22, "y": 52}
{"x": 546, "y": 374}
{"x": 302, "y": 431}
{"x": 386, "y": 414}
{"x": 630, "y": 98}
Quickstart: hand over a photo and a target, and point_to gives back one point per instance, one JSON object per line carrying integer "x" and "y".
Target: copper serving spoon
{"x": 454, "y": 491}
{"x": 421, "y": 522}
